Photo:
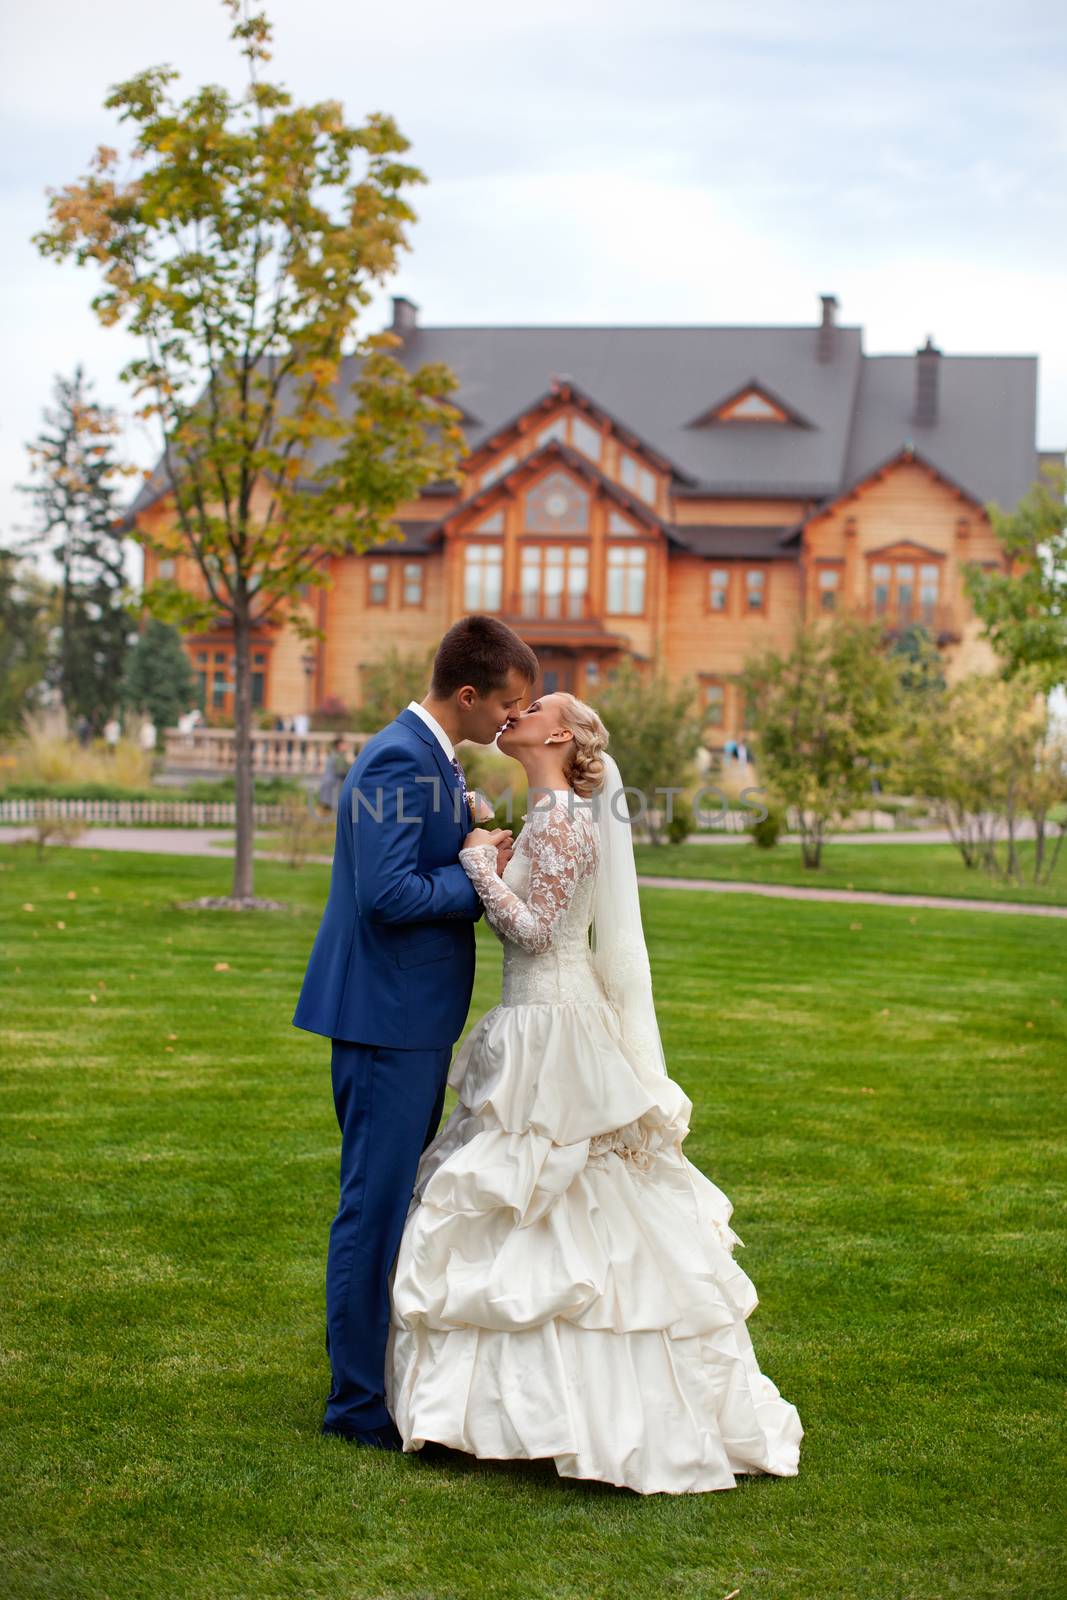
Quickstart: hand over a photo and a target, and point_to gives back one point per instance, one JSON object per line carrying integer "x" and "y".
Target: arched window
{"x": 557, "y": 504}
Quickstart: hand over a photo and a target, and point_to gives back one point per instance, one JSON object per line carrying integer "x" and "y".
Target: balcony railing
{"x": 536, "y": 606}
{"x": 940, "y": 619}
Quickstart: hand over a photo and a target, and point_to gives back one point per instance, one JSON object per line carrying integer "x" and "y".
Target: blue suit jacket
{"x": 393, "y": 960}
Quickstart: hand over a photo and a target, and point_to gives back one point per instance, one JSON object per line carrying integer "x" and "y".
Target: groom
{"x": 389, "y": 983}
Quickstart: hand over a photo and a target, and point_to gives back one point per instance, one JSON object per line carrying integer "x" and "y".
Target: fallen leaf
{"x": 855, "y": 926}
{"x": 222, "y": 966}
{"x": 72, "y": 894}
{"x": 27, "y": 906}
{"x": 61, "y": 924}
{"x": 92, "y": 998}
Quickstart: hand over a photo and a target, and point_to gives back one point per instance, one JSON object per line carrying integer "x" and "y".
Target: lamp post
{"x": 308, "y": 662}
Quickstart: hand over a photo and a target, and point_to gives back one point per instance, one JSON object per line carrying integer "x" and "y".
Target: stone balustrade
{"x": 274, "y": 752}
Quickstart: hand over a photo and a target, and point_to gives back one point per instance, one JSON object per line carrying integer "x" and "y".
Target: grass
{"x": 894, "y": 868}
{"x": 876, "y": 1089}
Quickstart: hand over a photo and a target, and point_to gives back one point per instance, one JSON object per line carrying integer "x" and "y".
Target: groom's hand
{"x": 493, "y": 836}
{"x": 504, "y": 853}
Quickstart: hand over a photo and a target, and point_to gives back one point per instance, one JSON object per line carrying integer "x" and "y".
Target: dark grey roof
{"x": 657, "y": 380}
{"x": 418, "y": 539}
{"x": 985, "y": 434}
{"x": 756, "y": 541}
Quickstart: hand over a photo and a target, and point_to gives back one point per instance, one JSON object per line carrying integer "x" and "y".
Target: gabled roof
{"x": 652, "y": 382}
{"x": 575, "y": 462}
{"x": 562, "y": 393}
{"x": 713, "y": 417}
{"x": 905, "y": 456}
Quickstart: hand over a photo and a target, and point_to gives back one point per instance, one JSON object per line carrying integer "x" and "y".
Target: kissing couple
{"x": 546, "y": 1274}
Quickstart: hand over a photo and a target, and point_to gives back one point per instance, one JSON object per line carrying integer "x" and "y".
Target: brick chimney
{"x": 927, "y": 381}
{"x": 405, "y": 316}
{"x": 824, "y": 348}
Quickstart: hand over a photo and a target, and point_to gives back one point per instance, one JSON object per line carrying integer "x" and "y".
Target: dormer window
{"x": 496, "y": 469}
{"x": 752, "y": 406}
{"x": 751, "y": 403}
{"x": 586, "y": 438}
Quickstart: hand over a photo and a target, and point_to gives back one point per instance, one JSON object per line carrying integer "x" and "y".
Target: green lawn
{"x": 877, "y": 1090}
{"x": 894, "y": 868}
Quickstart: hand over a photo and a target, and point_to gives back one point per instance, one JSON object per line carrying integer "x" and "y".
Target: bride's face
{"x": 541, "y": 719}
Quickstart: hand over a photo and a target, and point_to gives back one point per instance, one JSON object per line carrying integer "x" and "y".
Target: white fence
{"x": 172, "y": 813}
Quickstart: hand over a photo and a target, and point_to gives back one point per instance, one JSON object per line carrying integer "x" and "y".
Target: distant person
{"x": 112, "y": 732}
{"x": 301, "y": 724}
{"x": 334, "y": 775}
{"x": 147, "y": 735}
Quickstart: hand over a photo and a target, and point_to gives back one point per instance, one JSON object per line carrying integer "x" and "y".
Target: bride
{"x": 565, "y": 1285}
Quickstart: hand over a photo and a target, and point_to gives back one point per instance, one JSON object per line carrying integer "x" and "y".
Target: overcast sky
{"x": 603, "y": 161}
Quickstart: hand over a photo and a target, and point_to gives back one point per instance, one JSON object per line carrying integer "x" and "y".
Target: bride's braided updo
{"x": 584, "y": 767}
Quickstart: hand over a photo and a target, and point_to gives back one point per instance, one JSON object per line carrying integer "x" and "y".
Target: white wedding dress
{"x": 565, "y": 1285}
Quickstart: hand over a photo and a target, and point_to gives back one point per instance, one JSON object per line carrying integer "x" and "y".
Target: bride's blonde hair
{"x": 584, "y": 767}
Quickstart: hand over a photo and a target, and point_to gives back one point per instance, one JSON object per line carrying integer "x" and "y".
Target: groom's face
{"x": 484, "y": 716}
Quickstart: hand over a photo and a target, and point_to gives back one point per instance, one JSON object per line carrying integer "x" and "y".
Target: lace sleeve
{"x": 562, "y": 852}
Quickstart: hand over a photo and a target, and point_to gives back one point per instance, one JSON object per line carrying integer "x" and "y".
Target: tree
{"x": 389, "y": 683}
{"x": 985, "y": 755}
{"x": 654, "y": 736}
{"x": 826, "y": 715}
{"x": 74, "y": 493}
{"x": 1024, "y": 610}
{"x": 241, "y": 252}
{"x": 159, "y": 681}
{"x": 27, "y": 613}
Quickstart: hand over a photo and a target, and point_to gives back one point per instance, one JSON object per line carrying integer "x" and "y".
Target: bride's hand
{"x": 493, "y": 836}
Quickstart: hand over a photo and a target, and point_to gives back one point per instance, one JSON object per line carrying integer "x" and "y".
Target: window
{"x": 828, "y": 586}
{"x": 378, "y": 583}
{"x": 557, "y": 504}
{"x": 412, "y": 589}
{"x": 718, "y": 588}
{"x": 219, "y": 681}
{"x": 592, "y": 673}
{"x": 636, "y": 478}
{"x": 166, "y": 567}
{"x": 755, "y": 588}
{"x": 493, "y": 523}
{"x": 626, "y": 581}
{"x": 483, "y": 569}
{"x": 881, "y": 573}
{"x": 554, "y": 580}
{"x": 619, "y": 523}
{"x": 259, "y": 676}
{"x": 715, "y": 704}
{"x": 586, "y": 438}
{"x": 929, "y": 589}
{"x": 556, "y": 429}
{"x": 496, "y": 469}
{"x": 201, "y": 676}
{"x": 905, "y": 589}
{"x": 903, "y": 592}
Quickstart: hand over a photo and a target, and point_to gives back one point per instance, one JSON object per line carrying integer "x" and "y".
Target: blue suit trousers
{"x": 389, "y": 1103}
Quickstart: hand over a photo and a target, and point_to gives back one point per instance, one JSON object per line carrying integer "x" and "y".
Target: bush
{"x": 681, "y": 824}
{"x": 769, "y": 829}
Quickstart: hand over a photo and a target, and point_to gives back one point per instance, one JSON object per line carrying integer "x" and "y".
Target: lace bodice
{"x": 542, "y": 906}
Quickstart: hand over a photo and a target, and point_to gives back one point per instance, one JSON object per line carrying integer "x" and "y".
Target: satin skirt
{"x": 566, "y": 1285}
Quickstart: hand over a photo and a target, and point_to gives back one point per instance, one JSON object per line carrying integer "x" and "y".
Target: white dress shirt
{"x": 435, "y": 727}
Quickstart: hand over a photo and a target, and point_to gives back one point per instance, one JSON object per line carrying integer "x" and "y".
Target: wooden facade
{"x": 593, "y": 545}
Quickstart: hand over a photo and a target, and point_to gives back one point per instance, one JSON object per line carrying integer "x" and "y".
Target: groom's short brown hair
{"x": 480, "y": 650}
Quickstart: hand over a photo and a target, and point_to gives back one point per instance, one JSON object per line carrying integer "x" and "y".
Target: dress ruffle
{"x": 566, "y": 1285}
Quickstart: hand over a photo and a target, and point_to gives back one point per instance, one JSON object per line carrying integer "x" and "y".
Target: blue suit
{"x": 389, "y": 982}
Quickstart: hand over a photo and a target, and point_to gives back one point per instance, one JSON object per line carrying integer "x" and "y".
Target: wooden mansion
{"x": 681, "y": 495}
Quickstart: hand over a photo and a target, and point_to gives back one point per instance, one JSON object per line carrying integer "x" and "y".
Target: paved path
{"x": 207, "y": 842}
{"x": 868, "y": 897}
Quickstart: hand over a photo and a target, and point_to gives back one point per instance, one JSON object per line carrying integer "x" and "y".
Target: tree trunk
{"x": 243, "y": 865}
